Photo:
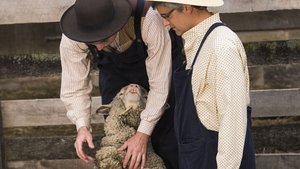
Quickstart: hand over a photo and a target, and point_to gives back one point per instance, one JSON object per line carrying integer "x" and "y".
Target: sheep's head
{"x": 132, "y": 96}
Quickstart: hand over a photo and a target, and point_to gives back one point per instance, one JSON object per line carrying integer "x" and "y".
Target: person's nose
{"x": 166, "y": 22}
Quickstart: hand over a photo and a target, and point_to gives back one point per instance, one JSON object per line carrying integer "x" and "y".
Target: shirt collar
{"x": 193, "y": 37}
{"x": 199, "y": 30}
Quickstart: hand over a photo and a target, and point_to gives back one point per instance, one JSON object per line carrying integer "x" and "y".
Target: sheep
{"x": 121, "y": 123}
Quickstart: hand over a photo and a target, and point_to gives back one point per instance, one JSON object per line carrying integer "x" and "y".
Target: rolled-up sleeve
{"x": 158, "y": 64}
{"x": 76, "y": 84}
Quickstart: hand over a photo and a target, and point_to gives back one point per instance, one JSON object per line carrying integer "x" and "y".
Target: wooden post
{"x": 2, "y": 151}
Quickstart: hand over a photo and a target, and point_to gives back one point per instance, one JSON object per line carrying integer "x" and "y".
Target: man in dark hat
{"x": 131, "y": 45}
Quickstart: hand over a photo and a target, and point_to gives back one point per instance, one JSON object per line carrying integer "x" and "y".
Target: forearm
{"x": 159, "y": 74}
{"x": 75, "y": 83}
{"x": 153, "y": 112}
{"x": 78, "y": 110}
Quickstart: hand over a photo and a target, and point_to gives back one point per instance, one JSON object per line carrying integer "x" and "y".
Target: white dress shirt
{"x": 220, "y": 83}
{"x": 76, "y": 83}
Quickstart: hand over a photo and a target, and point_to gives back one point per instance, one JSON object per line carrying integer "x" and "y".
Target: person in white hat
{"x": 130, "y": 45}
{"x": 212, "y": 113}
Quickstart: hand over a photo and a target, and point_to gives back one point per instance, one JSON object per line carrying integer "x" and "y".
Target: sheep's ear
{"x": 167, "y": 106}
{"x": 103, "y": 110}
{"x": 144, "y": 93}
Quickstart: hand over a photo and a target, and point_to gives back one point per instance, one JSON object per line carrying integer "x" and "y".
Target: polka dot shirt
{"x": 220, "y": 83}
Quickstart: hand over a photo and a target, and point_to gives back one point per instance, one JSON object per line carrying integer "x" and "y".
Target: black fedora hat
{"x": 94, "y": 20}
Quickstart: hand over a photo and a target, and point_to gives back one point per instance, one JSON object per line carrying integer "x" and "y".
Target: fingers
{"x": 132, "y": 160}
{"x": 136, "y": 148}
{"x": 90, "y": 142}
{"x": 127, "y": 156}
{"x": 79, "y": 151}
{"x": 83, "y": 136}
{"x": 137, "y": 162}
{"x": 143, "y": 161}
{"x": 123, "y": 147}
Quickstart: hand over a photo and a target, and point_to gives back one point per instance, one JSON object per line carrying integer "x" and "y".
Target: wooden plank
{"x": 271, "y": 35}
{"x": 32, "y": 11}
{"x": 263, "y": 161}
{"x": 2, "y": 147}
{"x": 50, "y": 164}
{"x": 46, "y": 147}
{"x": 275, "y": 102}
{"x": 265, "y": 20}
{"x": 275, "y": 136}
{"x": 40, "y": 112}
{"x": 268, "y": 138}
{"x": 269, "y": 75}
{"x": 278, "y": 161}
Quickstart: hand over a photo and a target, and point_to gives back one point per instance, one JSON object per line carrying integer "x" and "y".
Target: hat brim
{"x": 71, "y": 29}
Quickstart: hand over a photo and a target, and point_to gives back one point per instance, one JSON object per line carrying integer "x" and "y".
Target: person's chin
{"x": 177, "y": 32}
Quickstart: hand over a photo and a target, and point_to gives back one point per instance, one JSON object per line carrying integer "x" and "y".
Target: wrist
{"x": 146, "y": 127}
{"x": 84, "y": 129}
{"x": 142, "y": 136}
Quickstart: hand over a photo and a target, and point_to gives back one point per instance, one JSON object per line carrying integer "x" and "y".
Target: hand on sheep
{"x": 136, "y": 148}
{"x": 83, "y": 135}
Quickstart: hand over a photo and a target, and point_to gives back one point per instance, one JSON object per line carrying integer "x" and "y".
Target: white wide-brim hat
{"x": 208, "y": 3}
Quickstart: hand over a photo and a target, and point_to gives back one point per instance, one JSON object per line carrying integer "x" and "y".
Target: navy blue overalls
{"x": 120, "y": 69}
{"x": 198, "y": 145}
{"x": 163, "y": 136}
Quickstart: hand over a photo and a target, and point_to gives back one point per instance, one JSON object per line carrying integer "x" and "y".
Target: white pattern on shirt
{"x": 220, "y": 83}
{"x": 76, "y": 83}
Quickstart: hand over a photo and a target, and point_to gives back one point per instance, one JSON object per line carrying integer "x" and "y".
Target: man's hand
{"x": 136, "y": 148}
{"x": 83, "y": 135}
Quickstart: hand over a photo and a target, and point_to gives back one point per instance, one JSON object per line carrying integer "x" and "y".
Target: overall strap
{"x": 137, "y": 19}
{"x": 141, "y": 47}
{"x": 211, "y": 28}
{"x": 94, "y": 51}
